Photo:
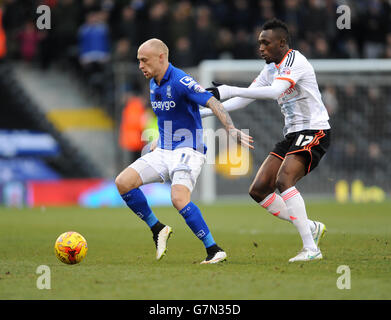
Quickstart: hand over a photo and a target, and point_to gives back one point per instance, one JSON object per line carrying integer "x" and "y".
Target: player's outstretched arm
{"x": 229, "y": 105}
{"x": 224, "y": 117}
{"x": 267, "y": 92}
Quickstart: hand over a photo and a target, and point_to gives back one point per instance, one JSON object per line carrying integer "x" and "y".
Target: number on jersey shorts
{"x": 313, "y": 144}
{"x": 180, "y": 166}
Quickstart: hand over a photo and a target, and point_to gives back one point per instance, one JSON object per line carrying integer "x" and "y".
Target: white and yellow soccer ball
{"x": 70, "y": 247}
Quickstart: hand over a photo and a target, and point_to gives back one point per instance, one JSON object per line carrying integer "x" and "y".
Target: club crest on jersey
{"x": 285, "y": 71}
{"x": 168, "y": 92}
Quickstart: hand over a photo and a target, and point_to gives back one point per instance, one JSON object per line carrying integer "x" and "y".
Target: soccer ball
{"x": 70, "y": 247}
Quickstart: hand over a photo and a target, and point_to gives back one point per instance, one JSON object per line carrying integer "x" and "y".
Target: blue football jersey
{"x": 175, "y": 102}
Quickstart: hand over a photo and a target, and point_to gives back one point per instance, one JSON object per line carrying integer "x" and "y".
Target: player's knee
{"x": 178, "y": 201}
{"x": 283, "y": 182}
{"x": 260, "y": 190}
{"x": 124, "y": 185}
{"x": 180, "y": 196}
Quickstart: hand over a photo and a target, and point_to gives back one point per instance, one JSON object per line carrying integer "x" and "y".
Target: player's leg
{"x": 184, "y": 177}
{"x": 128, "y": 183}
{"x": 262, "y": 189}
{"x": 293, "y": 168}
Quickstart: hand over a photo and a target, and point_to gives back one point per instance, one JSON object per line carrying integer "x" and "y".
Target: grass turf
{"x": 121, "y": 264}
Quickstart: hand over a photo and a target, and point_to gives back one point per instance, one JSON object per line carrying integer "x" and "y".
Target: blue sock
{"x": 136, "y": 201}
{"x": 197, "y": 224}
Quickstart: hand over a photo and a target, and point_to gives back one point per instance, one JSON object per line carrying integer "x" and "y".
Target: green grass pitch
{"x": 121, "y": 264}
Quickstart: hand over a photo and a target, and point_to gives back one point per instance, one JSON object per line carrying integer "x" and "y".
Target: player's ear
{"x": 283, "y": 42}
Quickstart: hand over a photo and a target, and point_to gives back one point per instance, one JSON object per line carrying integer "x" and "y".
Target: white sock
{"x": 297, "y": 213}
{"x": 275, "y": 205}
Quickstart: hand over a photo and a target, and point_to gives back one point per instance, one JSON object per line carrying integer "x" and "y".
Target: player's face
{"x": 149, "y": 62}
{"x": 270, "y": 46}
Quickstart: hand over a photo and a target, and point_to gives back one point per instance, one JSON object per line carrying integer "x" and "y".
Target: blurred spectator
{"x": 321, "y": 49}
{"x": 3, "y": 39}
{"x": 94, "y": 48}
{"x": 94, "y": 40}
{"x": 315, "y": 20}
{"x": 375, "y": 115}
{"x": 222, "y": 12}
{"x": 350, "y": 49}
{"x": 266, "y": 11}
{"x": 65, "y": 24}
{"x": 28, "y": 39}
{"x": 292, "y": 12}
{"x": 182, "y": 53}
{"x": 12, "y": 17}
{"x": 330, "y": 100}
{"x": 305, "y": 48}
{"x": 157, "y": 26}
{"x": 387, "y": 52}
{"x": 225, "y": 44}
{"x": 133, "y": 123}
{"x": 243, "y": 15}
{"x": 245, "y": 46}
{"x": 292, "y": 16}
{"x": 181, "y": 22}
{"x": 124, "y": 51}
{"x": 86, "y": 7}
{"x": 127, "y": 26}
{"x": 376, "y": 25}
{"x": 351, "y": 157}
{"x": 204, "y": 36}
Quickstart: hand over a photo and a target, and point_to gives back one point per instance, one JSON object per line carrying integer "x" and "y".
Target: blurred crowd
{"x": 103, "y": 30}
{"x": 88, "y": 36}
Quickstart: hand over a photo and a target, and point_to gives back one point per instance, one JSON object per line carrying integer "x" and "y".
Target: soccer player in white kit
{"x": 290, "y": 79}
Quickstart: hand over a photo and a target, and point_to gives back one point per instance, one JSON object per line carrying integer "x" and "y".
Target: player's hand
{"x": 241, "y": 138}
{"x": 214, "y": 90}
{"x": 221, "y": 91}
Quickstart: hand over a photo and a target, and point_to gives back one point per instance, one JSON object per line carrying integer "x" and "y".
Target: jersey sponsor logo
{"x": 288, "y": 94}
{"x": 163, "y": 105}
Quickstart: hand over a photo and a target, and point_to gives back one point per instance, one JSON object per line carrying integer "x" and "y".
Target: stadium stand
{"x": 19, "y": 112}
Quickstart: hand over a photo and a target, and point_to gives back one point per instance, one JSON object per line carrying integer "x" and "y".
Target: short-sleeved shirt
{"x": 301, "y": 104}
{"x": 176, "y": 104}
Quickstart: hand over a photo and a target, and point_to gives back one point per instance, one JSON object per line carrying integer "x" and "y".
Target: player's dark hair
{"x": 276, "y": 24}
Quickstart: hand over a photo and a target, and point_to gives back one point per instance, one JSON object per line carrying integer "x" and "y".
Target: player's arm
{"x": 224, "y": 117}
{"x": 273, "y": 91}
{"x": 229, "y": 105}
{"x": 234, "y": 103}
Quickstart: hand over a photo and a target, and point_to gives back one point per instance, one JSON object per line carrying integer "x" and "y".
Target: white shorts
{"x": 180, "y": 166}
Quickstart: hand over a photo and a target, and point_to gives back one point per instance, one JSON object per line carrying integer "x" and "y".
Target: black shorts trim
{"x": 311, "y": 143}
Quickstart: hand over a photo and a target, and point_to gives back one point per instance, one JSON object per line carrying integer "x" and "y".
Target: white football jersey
{"x": 301, "y": 104}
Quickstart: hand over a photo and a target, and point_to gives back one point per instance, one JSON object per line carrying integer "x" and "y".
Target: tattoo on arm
{"x": 222, "y": 114}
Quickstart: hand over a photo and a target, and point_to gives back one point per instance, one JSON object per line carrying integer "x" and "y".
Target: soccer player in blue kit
{"x": 179, "y": 153}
